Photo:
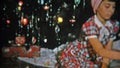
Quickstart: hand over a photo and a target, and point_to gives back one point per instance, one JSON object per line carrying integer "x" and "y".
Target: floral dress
{"x": 79, "y": 53}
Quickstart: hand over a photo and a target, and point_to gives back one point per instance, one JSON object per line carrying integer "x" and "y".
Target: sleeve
{"x": 90, "y": 30}
{"x": 115, "y": 29}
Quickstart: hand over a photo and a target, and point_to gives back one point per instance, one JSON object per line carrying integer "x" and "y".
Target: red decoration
{"x": 34, "y": 51}
{"x": 20, "y": 40}
{"x": 24, "y": 21}
{"x": 46, "y": 7}
{"x": 72, "y": 20}
{"x": 20, "y": 3}
{"x": 8, "y": 21}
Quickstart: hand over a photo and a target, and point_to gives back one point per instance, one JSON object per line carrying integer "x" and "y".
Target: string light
{"x": 46, "y": 7}
{"x": 8, "y": 21}
{"x": 60, "y": 20}
{"x": 32, "y": 17}
{"x": 24, "y": 21}
{"x": 19, "y": 8}
{"x": 20, "y": 3}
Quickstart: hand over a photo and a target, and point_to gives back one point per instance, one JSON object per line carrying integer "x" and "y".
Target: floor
{"x": 14, "y": 63}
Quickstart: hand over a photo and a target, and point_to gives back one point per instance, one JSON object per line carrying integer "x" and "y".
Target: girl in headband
{"x": 95, "y": 41}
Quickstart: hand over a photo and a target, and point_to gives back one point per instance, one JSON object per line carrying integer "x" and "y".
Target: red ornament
{"x": 20, "y": 40}
{"x": 20, "y": 3}
{"x": 72, "y": 20}
{"x": 8, "y": 21}
{"x": 24, "y": 21}
{"x": 46, "y": 7}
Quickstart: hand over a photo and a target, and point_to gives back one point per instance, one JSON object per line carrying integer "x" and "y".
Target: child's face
{"x": 106, "y": 9}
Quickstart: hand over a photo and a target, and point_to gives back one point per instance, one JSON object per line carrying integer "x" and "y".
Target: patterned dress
{"x": 79, "y": 53}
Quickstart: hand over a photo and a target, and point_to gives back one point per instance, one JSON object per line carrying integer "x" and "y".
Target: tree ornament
{"x": 65, "y": 5}
{"x": 20, "y": 3}
{"x": 8, "y": 21}
{"x": 24, "y": 21}
{"x": 77, "y": 2}
{"x": 41, "y": 2}
{"x": 45, "y": 40}
{"x": 34, "y": 40}
{"x": 20, "y": 40}
{"x": 19, "y": 8}
{"x": 46, "y": 7}
{"x": 57, "y": 29}
{"x": 72, "y": 20}
{"x": 60, "y": 20}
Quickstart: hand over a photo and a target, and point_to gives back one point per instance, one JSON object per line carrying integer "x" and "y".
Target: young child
{"x": 94, "y": 44}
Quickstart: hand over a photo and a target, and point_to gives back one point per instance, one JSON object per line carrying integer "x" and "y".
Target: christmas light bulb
{"x": 60, "y": 19}
{"x": 45, "y": 40}
{"x": 20, "y": 3}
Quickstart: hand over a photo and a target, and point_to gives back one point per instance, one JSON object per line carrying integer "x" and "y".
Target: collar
{"x": 99, "y": 23}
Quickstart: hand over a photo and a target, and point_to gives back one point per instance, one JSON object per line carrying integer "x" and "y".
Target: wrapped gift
{"x": 47, "y": 59}
{"x": 33, "y": 51}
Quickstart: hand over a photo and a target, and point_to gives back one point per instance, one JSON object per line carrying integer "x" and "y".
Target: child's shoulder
{"x": 89, "y": 22}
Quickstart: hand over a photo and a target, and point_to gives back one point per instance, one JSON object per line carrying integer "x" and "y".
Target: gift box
{"x": 33, "y": 51}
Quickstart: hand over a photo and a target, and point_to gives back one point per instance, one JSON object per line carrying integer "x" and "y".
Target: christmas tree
{"x": 50, "y": 22}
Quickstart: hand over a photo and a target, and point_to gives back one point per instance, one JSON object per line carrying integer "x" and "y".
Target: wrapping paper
{"x": 46, "y": 59}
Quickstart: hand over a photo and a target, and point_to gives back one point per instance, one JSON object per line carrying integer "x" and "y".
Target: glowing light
{"x": 24, "y": 21}
{"x": 19, "y": 8}
{"x": 42, "y": 2}
{"x": 8, "y": 21}
{"x": 60, "y": 19}
{"x": 72, "y": 20}
{"x": 46, "y": 7}
{"x": 45, "y": 40}
{"x": 20, "y": 3}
